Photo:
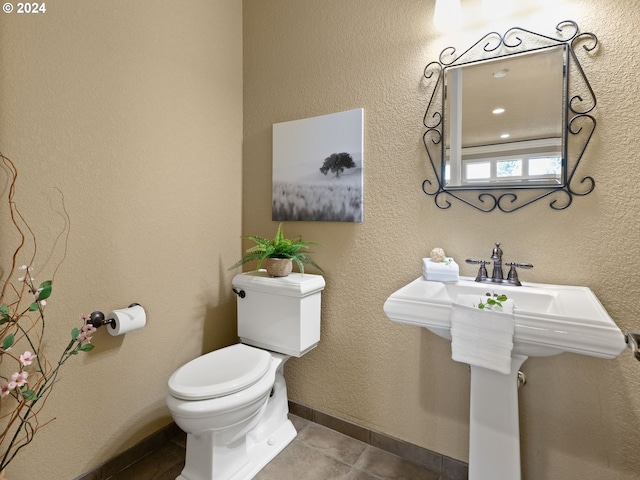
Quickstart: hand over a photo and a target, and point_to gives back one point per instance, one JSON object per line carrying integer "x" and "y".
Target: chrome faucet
{"x": 496, "y": 256}
{"x": 497, "y": 276}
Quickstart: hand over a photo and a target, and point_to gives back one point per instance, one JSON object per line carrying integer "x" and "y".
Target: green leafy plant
{"x": 278, "y": 247}
{"x": 27, "y": 377}
{"x": 496, "y": 301}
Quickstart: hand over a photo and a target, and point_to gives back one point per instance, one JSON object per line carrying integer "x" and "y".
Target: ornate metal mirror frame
{"x": 579, "y": 125}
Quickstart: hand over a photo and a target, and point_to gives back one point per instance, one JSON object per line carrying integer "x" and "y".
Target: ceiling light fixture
{"x": 447, "y": 15}
{"x": 493, "y": 9}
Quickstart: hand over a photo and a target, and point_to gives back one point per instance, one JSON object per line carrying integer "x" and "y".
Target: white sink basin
{"x": 550, "y": 319}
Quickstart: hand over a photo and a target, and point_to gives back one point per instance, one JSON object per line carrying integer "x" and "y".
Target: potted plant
{"x": 278, "y": 254}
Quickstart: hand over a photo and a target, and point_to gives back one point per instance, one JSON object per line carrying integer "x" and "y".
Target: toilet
{"x": 232, "y": 402}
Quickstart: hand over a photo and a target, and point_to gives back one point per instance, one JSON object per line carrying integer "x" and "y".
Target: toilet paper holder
{"x": 98, "y": 319}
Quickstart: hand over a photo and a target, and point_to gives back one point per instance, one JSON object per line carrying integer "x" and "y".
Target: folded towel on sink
{"x": 482, "y": 337}
{"x": 446, "y": 271}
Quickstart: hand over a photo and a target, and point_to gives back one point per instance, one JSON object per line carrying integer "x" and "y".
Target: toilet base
{"x": 244, "y": 458}
{"x": 263, "y": 452}
{"x": 266, "y": 450}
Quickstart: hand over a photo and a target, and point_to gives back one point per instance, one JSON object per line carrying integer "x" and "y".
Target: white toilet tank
{"x": 279, "y": 314}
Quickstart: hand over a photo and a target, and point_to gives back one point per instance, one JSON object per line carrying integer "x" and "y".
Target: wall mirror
{"x": 509, "y": 119}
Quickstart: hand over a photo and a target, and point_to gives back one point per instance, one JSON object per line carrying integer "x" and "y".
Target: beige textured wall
{"x": 133, "y": 110}
{"x": 580, "y": 416}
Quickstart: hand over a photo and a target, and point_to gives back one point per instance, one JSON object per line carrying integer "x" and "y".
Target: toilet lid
{"x": 219, "y": 373}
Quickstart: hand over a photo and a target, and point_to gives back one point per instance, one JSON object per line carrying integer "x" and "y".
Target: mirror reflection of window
{"x": 478, "y": 171}
{"x": 545, "y": 166}
{"x": 509, "y": 168}
{"x": 516, "y": 171}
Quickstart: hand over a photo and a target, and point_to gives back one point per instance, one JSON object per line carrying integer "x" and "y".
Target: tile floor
{"x": 317, "y": 453}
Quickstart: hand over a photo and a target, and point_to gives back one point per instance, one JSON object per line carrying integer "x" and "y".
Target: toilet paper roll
{"x": 126, "y": 320}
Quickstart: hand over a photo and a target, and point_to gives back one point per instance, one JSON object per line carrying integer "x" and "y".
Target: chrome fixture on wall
{"x": 550, "y": 127}
{"x": 98, "y": 319}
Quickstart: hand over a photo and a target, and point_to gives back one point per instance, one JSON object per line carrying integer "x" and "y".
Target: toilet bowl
{"x": 232, "y": 402}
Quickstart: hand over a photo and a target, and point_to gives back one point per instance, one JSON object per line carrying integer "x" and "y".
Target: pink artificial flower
{"x": 85, "y": 333}
{"x": 4, "y": 389}
{"x": 20, "y": 378}
{"x": 27, "y": 276}
{"x": 27, "y": 358}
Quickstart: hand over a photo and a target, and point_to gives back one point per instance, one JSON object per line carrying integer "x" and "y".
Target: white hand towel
{"x": 447, "y": 271}
{"x": 482, "y": 337}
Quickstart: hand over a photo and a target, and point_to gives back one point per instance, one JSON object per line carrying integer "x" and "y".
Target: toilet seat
{"x": 220, "y": 373}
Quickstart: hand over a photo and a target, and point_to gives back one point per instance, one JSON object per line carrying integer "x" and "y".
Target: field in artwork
{"x": 323, "y": 200}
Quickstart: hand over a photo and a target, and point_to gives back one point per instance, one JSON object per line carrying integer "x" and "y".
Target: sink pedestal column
{"x": 494, "y": 430}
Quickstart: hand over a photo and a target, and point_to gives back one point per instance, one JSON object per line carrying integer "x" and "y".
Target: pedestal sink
{"x": 549, "y": 319}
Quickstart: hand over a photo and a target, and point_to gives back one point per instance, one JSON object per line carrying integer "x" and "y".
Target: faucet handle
{"x": 482, "y": 271}
{"x": 512, "y": 277}
{"x": 473, "y": 261}
{"x": 519, "y": 265}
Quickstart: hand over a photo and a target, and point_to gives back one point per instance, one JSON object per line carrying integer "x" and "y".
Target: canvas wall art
{"x": 317, "y": 168}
